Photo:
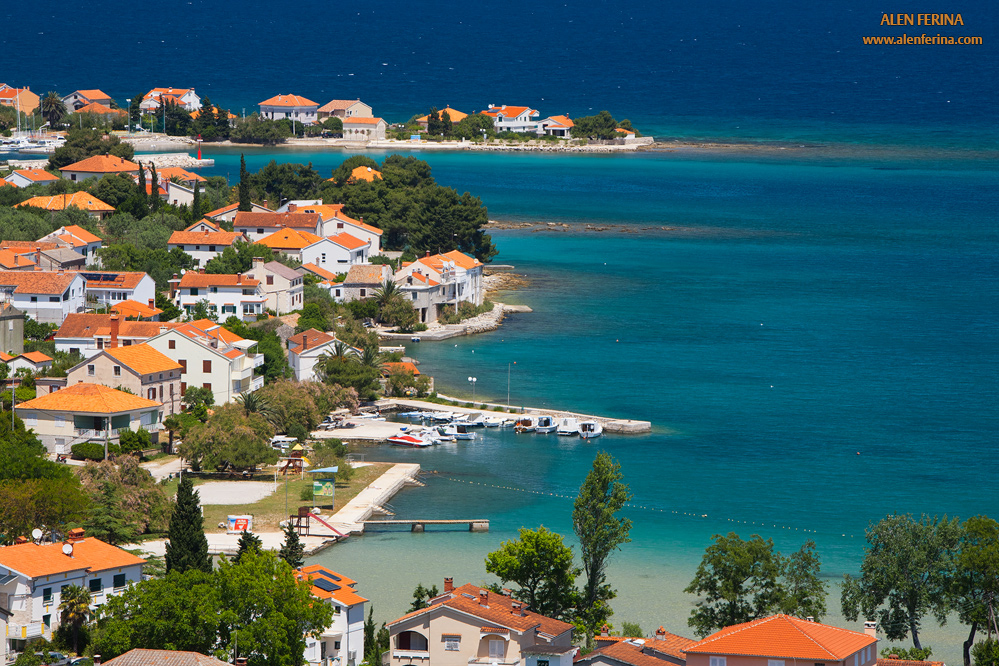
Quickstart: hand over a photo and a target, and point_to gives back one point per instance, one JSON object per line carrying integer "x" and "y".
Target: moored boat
{"x": 567, "y": 426}
{"x": 524, "y": 424}
{"x": 590, "y": 429}
{"x": 410, "y": 440}
{"x": 457, "y": 431}
{"x": 545, "y": 424}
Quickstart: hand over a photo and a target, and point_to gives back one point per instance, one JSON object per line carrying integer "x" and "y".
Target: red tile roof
{"x": 321, "y": 272}
{"x": 296, "y": 220}
{"x": 453, "y": 114}
{"x": 130, "y": 308}
{"x": 405, "y": 366}
{"x": 204, "y": 237}
{"x": 338, "y": 105}
{"x": 92, "y": 94}
{"x": 167, "y": 173}
{"x": 36, "y": 560}
{"x": 192, "y": 279}
{"x": 36, "y": 175}
{"x": 224, "y": 209}
{"x": 346, "y": 240}
{"x": 365, "y": 173}
{"x": 89, "y": 399}
{"x": 143, "y": 359}
{"x": 82, "y": 233}
{"x": 289, "y": 239}
{"x": 289, "y": 100}
{"x": 100, "y": 109}
{"x": 13, "y": 260}
{"x": 115, "y": 279}
{"x": 509, "y": 111}
{"x": 344, "y": 594}
{"x": 641, "y": 651}
{"x": 36, "y": 357}
{"x": 82, "y": 200}
{"x": 784, "y": 637}
{"x": 150, "y": 657}
{"x": 312, "y": 336}
{"x": 356, "y": 120}
{"x": 78, "y": 325}
{"x": 102, "y": 164}
{"x": 37, "y": 282}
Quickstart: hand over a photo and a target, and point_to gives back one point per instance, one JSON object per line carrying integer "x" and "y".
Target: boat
{"x": 545, "y": 424}
{"x": 568, "y": 426}
{"x": 524, "y": 424}
{"x": 590, "y": 429}
{"x": 410, "y": 440}
{"x": 477, "y": 420}
{"x": 42, "y": 146}
{"x": 441, "y": 417}
{"x": 456, "y": 431}
{"x": 495, "y": 422}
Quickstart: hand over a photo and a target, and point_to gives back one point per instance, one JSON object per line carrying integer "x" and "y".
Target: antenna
{"x": 67, "y": 549}
{"x": 36, "y": 534}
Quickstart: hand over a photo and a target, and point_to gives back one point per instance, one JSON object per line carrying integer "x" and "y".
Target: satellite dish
{"x": 36, "y": 534}
{"x": 67, "y": 549}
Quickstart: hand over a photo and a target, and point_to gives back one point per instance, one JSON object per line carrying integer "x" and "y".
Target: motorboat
{"x": 441, "y": 417}
{"x": 590, "y": 429}
{"x": 545, "y": 424}
{"x": 568, "y": 426}
{"x": 495, "y": 422}
{"x": 477, "y": 420}
{"x": 457, "y": 431}
{"x": 524, "y": 424}
{"x": 410, "y": 440}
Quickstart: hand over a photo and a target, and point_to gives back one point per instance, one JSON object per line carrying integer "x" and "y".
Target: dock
{"x": 476, "y": 525}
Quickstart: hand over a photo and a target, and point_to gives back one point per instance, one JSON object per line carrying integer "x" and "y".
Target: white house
{"x": 304, "y": 349}
{"x": 98, "y": 166}
{"x": 289, "y": 241}
{"x": 227, "y": 295}
{"x": 359, "y": 128}
{"x": 423, "y": 292}
{"x": 215, "y": 359}
{"x": 459, "y": 275}
{"x": 33, "y": 576}
{"x": 292, "y": 107}
{"x": 258, "y": 225}
{"x": 513, "y": 118}
{"x": 203, "y": 245}
{"x": 106, "y": 288}
{"x": 30, "y": 361}
{"x": 228, "y": 213}
{"x": 183, "y": 97}
{"x": 343, "y": 641}
{"x": 344, "y": 108}
{"x": 79, "y": 240}
{"x": 86, "y": 334}
{"x": 336, "y": 253}
{"x": 45, "y": 296}
{"x": 332, "y": 221}
{"x": 78, "y": 99}
{"x": 560, "y": 126}
{"x": 283, "y": 286}
{"x": 25, "y": 177}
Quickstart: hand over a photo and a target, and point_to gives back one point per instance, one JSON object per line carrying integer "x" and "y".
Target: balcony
{"x": 493, "y": 660}
{"x": 258, "y": 360}
{"x": 25, "y": 631}
{"x": 411, "y": 654}
{"x": 256, "y": 383}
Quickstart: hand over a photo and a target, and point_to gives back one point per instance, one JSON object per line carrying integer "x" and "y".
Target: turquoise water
{"x": 813, "y": 340}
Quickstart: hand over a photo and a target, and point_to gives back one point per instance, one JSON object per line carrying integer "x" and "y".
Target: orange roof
{"x": 4, "y": 183}
{"x": 192, "y": 279}
{"x": 321, "y": 272}
{"x": 289, "y": 100}
{"x": 783, "y": 636}
{"x": 405, "y": 366}
{"x": 143, "y": 359}
{"x": 297, "y": 220}
{"x": 81, "y": 200}
{"x": 204, "y": 237}
{"x": 166, "y": 173}
{"x": 420, "y": 277}
{"x": 355, "y": 120}
{"x": 103, "y": 164}
{"x": 96, "y": 107}
{"x": 331, "y": 211}
{"x": 453, "y": 114}
{"x": 462, "y": 260}
{"x": 498, "y": 612}
{"x": 36, "y": 175}
{"x": 215, "y": 330}
{"x": 89, "y": 399}
{"x": 27, "y": 247}
{"x": 116, "y": 279}
{"x": 10, "y": 259}
{"x": 168, "y": 92}
{"x": 508, "y": 111}
{"x": 350, "y": 242}
{"x": 565, "y": 121}
{"x": 37, "y": 560}
{"x": 197, "y": 113}
{"x": 93, "y": 94}
{"x": 79, "y": 325}
{"x": 289, "y": 239}
{"x": 82, "y": 233}
{"x": 338, "y": 104}
{"x": 343, "y": 591}
{"x": 233, "y": 353}
{"x": 223, "y": 209}
{"x": 37, "y": 282}
{"x": 624, "y": 131}
{"x": 36, "y": 357}
{"x": 311, "y": 338}
{"x": 365, "y": 173}
{"x": 130, "y": 308}
{"x": 641, "y": 651}
{"x": 208, "y": 223}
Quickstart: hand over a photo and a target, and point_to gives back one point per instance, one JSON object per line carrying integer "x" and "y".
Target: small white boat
{"x": 524, "y": 424}
{"x": 590, "y": 429}
{"x": 568, "y": 426}
{"x": 496, "y": 422}
{"x": 545, "y": 424}
{"x": 441, "y": 417}
{"x": 410, "y": 440}
{"x": 456, "y": 431}
{"x": 477, "y": 420}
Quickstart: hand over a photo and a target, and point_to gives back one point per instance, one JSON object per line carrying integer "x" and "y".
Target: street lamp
{"x": 472, "y": 380}
{"x": 129, "y": 103}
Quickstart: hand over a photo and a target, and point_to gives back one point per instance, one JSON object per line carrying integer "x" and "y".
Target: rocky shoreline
{"x": 487, "y": 321}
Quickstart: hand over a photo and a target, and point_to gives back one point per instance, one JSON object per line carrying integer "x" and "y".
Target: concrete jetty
{"x": 351, "y": 518}
{"x": 159, "y": 159}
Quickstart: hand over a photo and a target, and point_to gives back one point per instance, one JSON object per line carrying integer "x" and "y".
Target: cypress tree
{"x": 447, "y": 128}
{"x": 154, "y": 189}
{"x": 248, "y": 541}
{"x": 196, "y": 202}
{"x": 292, "y": 552}
{"x": 244, "y": 185}
{"x": 142, "y": 181}
{"x": 187, "y": 547}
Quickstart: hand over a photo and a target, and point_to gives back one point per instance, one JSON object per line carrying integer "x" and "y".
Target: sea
{"x": 807, "y": 312}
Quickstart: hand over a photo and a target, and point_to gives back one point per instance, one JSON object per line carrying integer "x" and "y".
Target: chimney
{"x": 428, "y": 254}
{"x": 38, "y": 256}
{"x": 97, "y": 660}
{"x": 292, "y": 207}
{"x": 60, "y": 272}
{"x": 114, "y": 331}
{"x": 517, "y": 608}
{"x": 809, "y": 618}
{"x": 605, "y": 630}
{"x": 17, "y": 259}
{"x": 305, "y": 346}
{"x": 239, "y": 278}
{"x": 448, "y": 584}
{"x": 660, "y": 634}
{"x": 163, "y": 329}
{"x": 484, "y": 598}
{"x": 75, "y": 534}
{"x": 152, "y": 302}
{"x": 871, "y": 628}
{"x": 258, "y": 261}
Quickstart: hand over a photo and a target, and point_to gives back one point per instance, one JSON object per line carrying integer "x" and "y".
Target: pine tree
{"x": 187, "y": 547}
{"x": 247, "y": 541}
{"x": 196, "y": 202}
{"x": 292, "y": 551}
{"x": 107, "y": 519}
{"x": 244, "y": 185}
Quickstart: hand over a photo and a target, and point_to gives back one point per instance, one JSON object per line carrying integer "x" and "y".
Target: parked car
{"x": 53, "y": 658}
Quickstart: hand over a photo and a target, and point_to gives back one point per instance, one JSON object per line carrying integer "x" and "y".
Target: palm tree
{"x": 75, "y": 609}
{"x": 386, "y": 293}
{"x": 254, "y": 403}
{"x": 52, "y": 108}
{"x": 372, "y": 358}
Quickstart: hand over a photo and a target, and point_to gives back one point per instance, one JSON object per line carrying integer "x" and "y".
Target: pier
{"x": 477, "y": 525}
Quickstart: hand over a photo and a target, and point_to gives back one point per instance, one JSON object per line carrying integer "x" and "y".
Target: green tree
{"x": 292, "y": 551}
{"x": 803, "y": 594}
{"x": 170, "y": 311}
{"x": 976, "y": 576}
{"x": 108, "y": 521}
{"x": 422, "y": 596}
{"x": 230, "y": 439}
{"x": 600, "y": 532}
{"x": 74, "y": 609}
{"x": 904, "y": 574}
{"x": 433, "y": 122}
{"x": 631, "y": 630}
{"x": 83, "y": 143}
{"x": 244, "y": 186}
{"x": 986, "y": 653}
{"x": 447, "y": 128}
{"x": 313, "y": 316}
{"x": 145, "y": 505}
{"x": 541, "y": 565}
{"x": 52, "y": 108}
{"x": 196, "y": 208}
{"x": 248, "y": 542}
{"x": 198, "y": 395}
{"x": 187, "y": 546}
{"x": 154, "y": 189}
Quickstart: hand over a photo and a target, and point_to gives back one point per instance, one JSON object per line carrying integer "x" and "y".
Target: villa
{"x": 256, "y": 226}
{"x": 344, "y": 108}
{"x": 459, "y": 275}
{"x": 471, "y": 625}
{"x": 19, "y": 98}
{"x": 454, "y": 114}
{"x": 204, "y": 245}
{"x": 304, "y": 350}
{"x": 228, "y": 213}
{"x": 359, "y": 128}
{"x": 87, "y": 334}
{"x": 85, "y": 201}
{"x": 292, "y": 107}
{"x": 363, "y": 280}
{"x": 33, "y": 362}
{"x": 559, "y": 126}
{"x": 25, "y": 177}
{"x": 283, "y": 286}
{"x": 183, "y": 97}
{"x": 289, "y": 241}
{"x": 227, "y": 295}
{"x": 98, "y": 166}
{"x": 337, "y": 253}
{"x": 141, "y": 369}
{"x": 78, "y": 239}
{"x": 79, "y": 99}
{"x": 332, "y": 220}
{"x": 87, "y": 412}
{"x": 45, "y": 296}
{"x": 343, "y": 641}
{"x": 106, "y": 288}
{"x": 513, "y": 118}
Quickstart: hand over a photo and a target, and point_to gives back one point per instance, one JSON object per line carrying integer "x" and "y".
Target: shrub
{"x": 93, "y": 450}
{"x": 298, "y": 431}
{"x": 133, "y": 442}
{"x": 305, "y": 494}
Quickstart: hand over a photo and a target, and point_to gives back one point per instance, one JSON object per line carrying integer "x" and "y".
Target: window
{"x": 119, "y": 580}
{"x": 322, "y": 258}
{"x": 211, "y": 248}
{"x": 47, "y": 595}
{"x": 117, "y": 371}
{"x": 717, "y": 661}
{"x": 260, "y": 231}
{"x": 206, "y": 365}
{"x": 183, "y": 388}
{"x": 161, "y": 392}
{"x": 53, "y": 299}
{"x": 215, "y": 290}
{"x": 183, "y": 365}
{"x": 47, "y": 621}
{"x": 452, "y": 643}
{"x": 336, "y": 645}
{"x": 778, "y": 662}
{"x": 96, "y": 585}
{"x": 91, "y": 370}
{"x": 497, "y": 648}
{"x": 34, "y": 299}
{"x": 542, "y": 662}
{"x": 171, "y": 344}
{"x": 194, "y": 291}
{"x": 364, "y": 292}
{"x": 270, "y": 279}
